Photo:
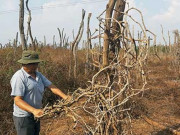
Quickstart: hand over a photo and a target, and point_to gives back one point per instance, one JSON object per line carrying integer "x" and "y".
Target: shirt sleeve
{"x": 17, "y": 85}
{"x": 45, "y": 81}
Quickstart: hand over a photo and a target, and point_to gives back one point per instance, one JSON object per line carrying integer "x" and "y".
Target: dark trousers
{"x": 26, "y": 125}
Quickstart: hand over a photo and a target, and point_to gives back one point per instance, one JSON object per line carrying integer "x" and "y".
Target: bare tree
{"x": 176, "y": 51}
{"x": 110, "y": 35}
{"x": 176, "y": 37}
{"x": 118, "y": 15}
{"x": 29, "y": 26}
{"x": 15, "y": 44}
{"x": 162, "y": 31}
{"x": 63, "y": 40}
{"x": 54, "y": 42}
{"x": 60, "y": 36}
{"x": 109, "y": 11}
{"x": 21, "y": 25}
{"x": 16, "y": 40}
{"x": 88, "y": 44}
{"x": 44, "y": 40}
{"x": 169, "y": 37}
{"x": 76, "y": 41}
{"x": 36, "y": 42}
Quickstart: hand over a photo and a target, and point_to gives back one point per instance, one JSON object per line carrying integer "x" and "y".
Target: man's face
{"x": 31, "y": 68}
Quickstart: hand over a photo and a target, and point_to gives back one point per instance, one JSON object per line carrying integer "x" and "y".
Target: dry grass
{"x": 161, "y": 102}
{"x": 55, "y": 68}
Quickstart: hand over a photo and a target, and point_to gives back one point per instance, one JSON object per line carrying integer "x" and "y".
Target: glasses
{"x": 33, "y": 63}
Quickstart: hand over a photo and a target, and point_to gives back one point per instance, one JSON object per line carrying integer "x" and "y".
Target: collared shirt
{"x": 30, "y": 89}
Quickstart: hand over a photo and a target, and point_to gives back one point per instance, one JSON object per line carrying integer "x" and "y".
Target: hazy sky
{"x": 48, "y": 15}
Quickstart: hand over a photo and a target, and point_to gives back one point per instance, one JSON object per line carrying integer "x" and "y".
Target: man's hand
{"x": 26, "y": 107}
{"x": 38, "y": 113}
{"x": 68, "y": 99}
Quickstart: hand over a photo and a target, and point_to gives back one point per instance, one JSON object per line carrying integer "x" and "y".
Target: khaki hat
{"x": 29, "y": 57}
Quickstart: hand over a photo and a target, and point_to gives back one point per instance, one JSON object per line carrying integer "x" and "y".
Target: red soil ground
{"x": 157, "y": 111}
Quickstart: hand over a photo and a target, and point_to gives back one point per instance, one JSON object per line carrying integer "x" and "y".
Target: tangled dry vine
{"x": 107, "y": 99}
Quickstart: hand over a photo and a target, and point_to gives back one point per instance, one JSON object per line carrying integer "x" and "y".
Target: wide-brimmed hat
{"x": 29, "y": 57}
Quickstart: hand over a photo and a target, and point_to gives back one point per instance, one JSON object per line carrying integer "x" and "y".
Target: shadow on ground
{"x": 167, "y": 131}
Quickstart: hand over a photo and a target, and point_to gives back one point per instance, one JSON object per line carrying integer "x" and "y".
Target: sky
{"x": 48, "y": 15}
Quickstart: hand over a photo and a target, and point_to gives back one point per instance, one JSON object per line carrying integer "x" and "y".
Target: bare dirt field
{"x": 156, "y": 112}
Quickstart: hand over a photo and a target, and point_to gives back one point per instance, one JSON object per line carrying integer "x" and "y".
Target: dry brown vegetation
{"x": 55, "y": 67}
{"x": 155, "y": 111}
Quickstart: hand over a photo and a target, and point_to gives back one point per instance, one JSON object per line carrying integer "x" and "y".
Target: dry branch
{"x": 105, "y": 100}
{"x": 63, "y": 42}
{"x": 162, "y": 31}
{"x": 109, "y": 11}
{"x": 29, "y": 26}
{"x": 75, "y": 43}
{"x": 21, "y": 25}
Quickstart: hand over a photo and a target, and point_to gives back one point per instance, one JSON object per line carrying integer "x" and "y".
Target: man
{"x": 27, "y": 89}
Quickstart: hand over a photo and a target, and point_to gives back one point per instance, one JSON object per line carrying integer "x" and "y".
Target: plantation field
{"x": 155, "y": 111}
